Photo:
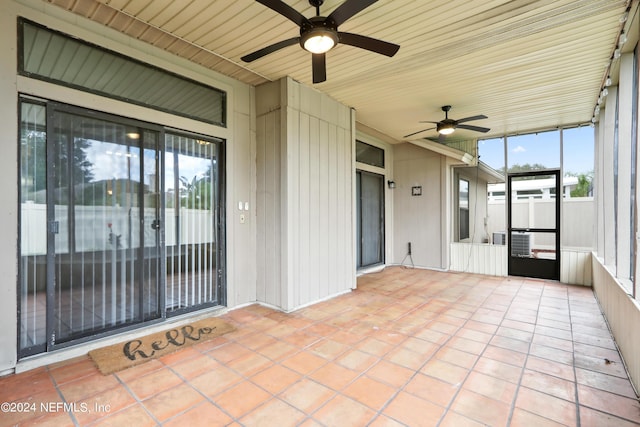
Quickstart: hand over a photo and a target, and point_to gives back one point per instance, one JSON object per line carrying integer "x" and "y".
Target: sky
{"x": 114, "y": 161}
{"x": 543, "y": 148}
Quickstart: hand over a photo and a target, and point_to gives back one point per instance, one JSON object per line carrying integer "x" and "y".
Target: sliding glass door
{"x": 120, "y": 224}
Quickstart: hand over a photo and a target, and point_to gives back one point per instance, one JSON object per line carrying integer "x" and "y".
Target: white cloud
{"x": 519, "y": 149}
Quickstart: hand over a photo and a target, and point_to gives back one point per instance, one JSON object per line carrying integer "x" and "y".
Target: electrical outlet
{"x": 242, "y": 218}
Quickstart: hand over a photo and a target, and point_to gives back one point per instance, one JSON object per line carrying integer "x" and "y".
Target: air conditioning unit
{"x": 499, "y": 238}
{"x": 521, "y": 245}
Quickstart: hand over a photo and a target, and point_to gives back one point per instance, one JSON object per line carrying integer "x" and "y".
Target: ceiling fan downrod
{"x": 316, "y": 4}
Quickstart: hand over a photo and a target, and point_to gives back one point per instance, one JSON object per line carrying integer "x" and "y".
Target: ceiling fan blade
{"x": 469, "y": 119}
{"x": 319, "y": 66}
{"x": 270, "y": 49}
{"x": 474, "y": 128}
{"x": 415, "y": 133}
{"x": 347, "y": 9}
{"x": 368, "y": 43}
{"x": 285, "y": 10}
{"x": 427, "y": 121}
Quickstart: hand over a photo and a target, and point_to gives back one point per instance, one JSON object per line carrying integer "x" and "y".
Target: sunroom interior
{"x": 160, "y": 177}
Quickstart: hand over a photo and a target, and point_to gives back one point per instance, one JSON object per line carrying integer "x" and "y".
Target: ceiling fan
{"x": 320, "y": 34}
{"x": 447, "y": 126}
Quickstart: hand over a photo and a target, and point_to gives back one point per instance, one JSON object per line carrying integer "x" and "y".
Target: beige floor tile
{"x": 407, "y": 348}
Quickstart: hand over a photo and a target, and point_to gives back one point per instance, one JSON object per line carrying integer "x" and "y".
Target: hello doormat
{"x": 134, "y": 352}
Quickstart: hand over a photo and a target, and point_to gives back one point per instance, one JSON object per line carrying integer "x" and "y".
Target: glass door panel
{"x": 33, "y": 227}
{"x": 104, "y": 195}
{"x": 191, "y": 222}
{"x": 370, "y": 214}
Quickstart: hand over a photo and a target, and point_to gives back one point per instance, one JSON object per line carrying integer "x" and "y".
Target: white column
{"x": 607, "y": 171}
{"x": 625, "y": 121}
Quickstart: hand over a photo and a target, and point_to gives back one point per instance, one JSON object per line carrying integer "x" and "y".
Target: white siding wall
{"x": 419, "y": 219}
{"x": 305, "y": 199}
{"x": 479, "y": 258}
{"x": 9, "y": 193}
{"x": 575, "y": 267}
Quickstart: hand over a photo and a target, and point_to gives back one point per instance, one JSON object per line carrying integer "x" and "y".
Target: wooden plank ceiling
{"x": 526, "y": 64}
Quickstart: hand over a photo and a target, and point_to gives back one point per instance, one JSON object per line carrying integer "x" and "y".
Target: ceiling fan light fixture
{"x": 445, "y": 128}
{"x": 319, "y": 40}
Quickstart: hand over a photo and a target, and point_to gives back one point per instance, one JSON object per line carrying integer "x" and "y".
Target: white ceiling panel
{"x": 526, "y": 64}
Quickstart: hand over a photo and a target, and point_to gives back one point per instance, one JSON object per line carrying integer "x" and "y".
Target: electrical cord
{"x": 410, "y": 258}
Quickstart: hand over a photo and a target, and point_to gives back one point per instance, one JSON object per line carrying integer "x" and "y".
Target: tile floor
{"x": 408, "y": 348}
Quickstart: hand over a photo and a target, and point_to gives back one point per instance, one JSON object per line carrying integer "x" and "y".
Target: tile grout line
{"x": 456, "y": 394}
{"x": 512, "y": 407}
{"x": 135, "y": 397}
{"x": 418, "y": 370}
{"x": 207, "y": 398}
{"x": 379, "y": 412}
{"x": 61, "y": 394}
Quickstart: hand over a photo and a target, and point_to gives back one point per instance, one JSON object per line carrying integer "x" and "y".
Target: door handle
{"x": 155, "y": 224}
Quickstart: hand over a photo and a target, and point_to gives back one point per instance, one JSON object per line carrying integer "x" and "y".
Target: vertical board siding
{"x": 479, "y": 258}
{"x": 332, "y": 192}
{"x": 305, "y": 181}
{"x": 310, "y": 227}
{"x": 323, "y": 213}
{"x": 324, "y": 226}
{"x": 304, "y": 199}
{"x": 418, "y": 219}
{"x": 575, "y": 267}
{"x": 623, "y": 316}
{"x": 268, "y": 207}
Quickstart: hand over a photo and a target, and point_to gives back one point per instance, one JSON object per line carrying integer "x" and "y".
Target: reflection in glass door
{"x": 102, "y": 206}
{"x": 120, "y": 223}
{"x": 370, "y": 217}
{"x": 192, "y": 171}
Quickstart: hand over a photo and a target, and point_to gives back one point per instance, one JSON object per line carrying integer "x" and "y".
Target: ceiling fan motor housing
{"x": 318, "y": 26}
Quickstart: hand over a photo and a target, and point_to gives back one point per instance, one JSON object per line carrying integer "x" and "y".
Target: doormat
{"x": 131, "y": 353}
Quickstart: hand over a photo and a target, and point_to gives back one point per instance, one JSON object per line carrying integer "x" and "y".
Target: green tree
{"x": 584, "y": 184}
{"x": 196, "y": 194}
